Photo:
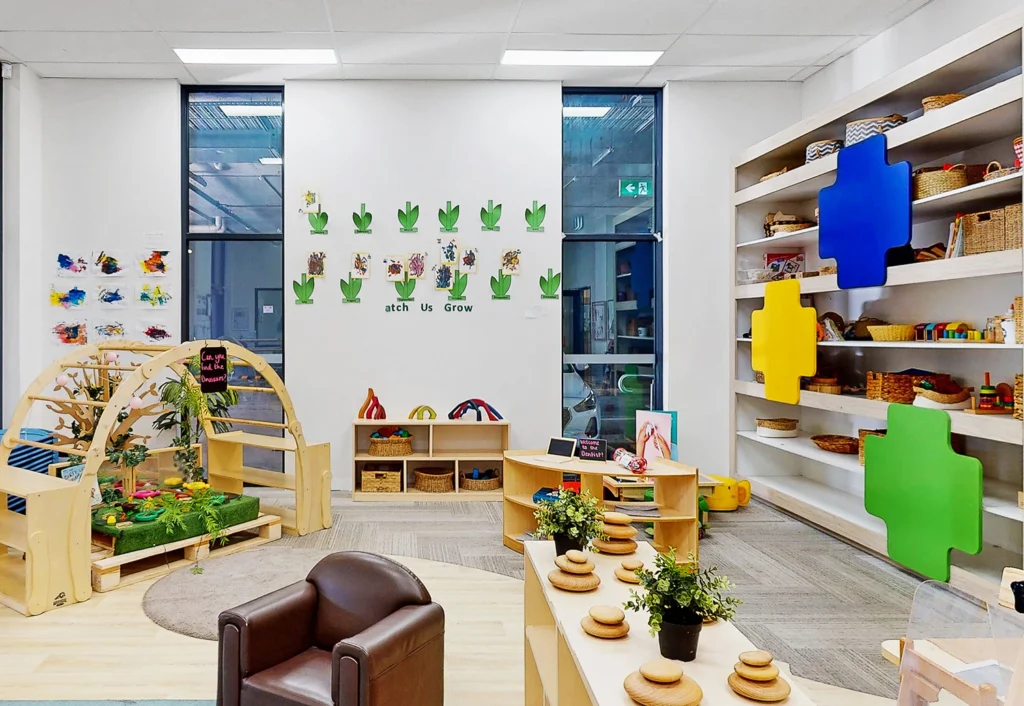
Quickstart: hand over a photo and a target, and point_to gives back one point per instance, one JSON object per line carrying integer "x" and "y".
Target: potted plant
{"x": 679, "y": 600}
{"x": 572, "y": 520}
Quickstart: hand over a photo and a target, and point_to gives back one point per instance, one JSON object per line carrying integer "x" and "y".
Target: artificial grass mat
{"x": 143, "y": 535}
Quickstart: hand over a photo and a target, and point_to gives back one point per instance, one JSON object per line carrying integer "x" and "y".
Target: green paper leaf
{"x": 408, "y": 217}
{"x": 350, "y": 290}
{"x": 535, "y": 217}
{"x": 459, "y": 284}
{"x": 549, "y": 285}
{"x": 500, "y": 286}
{"x": 318, "y": 222}
{"x": 304, "y": 289}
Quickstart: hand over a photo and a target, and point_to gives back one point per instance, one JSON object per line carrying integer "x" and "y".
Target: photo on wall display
{"x": 448, "y": 251}
{"x": 417, "y": 265}
{"x": 109, "y": 329}
{"x": 69, "y": 298}
{"x": 469, "y": 261}
{"x": 316, "y": 263}
{"x": 655, "y": 434}
{"x": 107, "y": 263}
{"x": 111, "y": 296}
{"x": 72, "y": 265}
{"x": 154, "y": 295}
{"x": 156, "y": 332}
{"x": 310, "y": 202}
{"x": 360, "y": 265}
{"x": 510, "y": 261}
{"x": 70, "y": 333}
{"x": 394, "y": 268}
{"x": 443, "y": 276}
{"x": 153, "y": 263}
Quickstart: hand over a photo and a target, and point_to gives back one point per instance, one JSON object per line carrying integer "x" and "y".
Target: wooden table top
{"x": 657, "y": 468}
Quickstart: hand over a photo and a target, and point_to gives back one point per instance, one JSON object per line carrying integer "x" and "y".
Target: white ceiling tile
{"x": 131, "y": 47}
{"x": 220, "y": 73}
{"x": 249, "y": 40}
{"x": 574, "y": 75}
{"x": 420, "y": 48}
{"x": 111, "y": 70}
{"x": 7, "y": 56}
{"x": 609, "y": 16}
{"x": 423, "y": 15}
{"x": 878, "y": 20}
{"x": 737, "y": 50}
{"x": 234, "y": 15}
{"x": 658, "y": 75}
{"x": 70, "y": 15}
{"x": 777, "y": 17}
{"x": 806, "y": 73}
{"x": 579, "y": 42}
{"x": 418, "y": 72}
{"x": 841, "y": 51}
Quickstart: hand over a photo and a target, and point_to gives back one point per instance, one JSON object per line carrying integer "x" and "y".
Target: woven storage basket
{"x": 932, "y": 181}
{"x": 381, "y": 481}
{"x": 935, "y": 102}
{"x": 892, "y": 332}
{"x": 1018, "y": 319}
{"x": 836, "y": 443}
{"x": 984, "y": 232}
{"x": 899, "y": 387}
{"x": 777, "y": 424}
{"x": 1012, "y": 227}
{"x": 759, "y": 377}
{"x": 942, "y": 397}
{"x": 467, "y": 482}
{"x": 822, "y": 148}
{"x": 766, "y": 177}
{"x": 860, "y": 130}
{"x": 434, "y": 480}
{"x": 861, "y": 435}
{"x": 828, "y": 270}
{"x": 1018, "y": 396}
{"x": 391, "y": 447}
{"x": 999, "y": 172}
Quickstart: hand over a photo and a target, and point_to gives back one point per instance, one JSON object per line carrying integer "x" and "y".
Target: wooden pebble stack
{"x": 627, "y": 572}
{"x": 661, "y": 682}
{"x": 575, "y": 572}
{"x": 606, "y": 622}
{"x": 619, "y": 532}
{"x": 756, "y": 678}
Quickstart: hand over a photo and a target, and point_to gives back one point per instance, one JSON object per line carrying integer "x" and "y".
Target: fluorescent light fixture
{"x": 257, "y": 56}
{"x": 530, "y": 57}
{"x": 585, "y": 111}
{"x": 241, "y": 110}
{"x": 271, "y": 160}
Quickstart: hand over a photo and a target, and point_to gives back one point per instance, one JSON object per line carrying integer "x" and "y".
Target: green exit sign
{"x": 635, "y": 187}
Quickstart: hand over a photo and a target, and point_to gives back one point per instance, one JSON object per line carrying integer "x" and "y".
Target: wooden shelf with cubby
{"x": 457, "y": 444}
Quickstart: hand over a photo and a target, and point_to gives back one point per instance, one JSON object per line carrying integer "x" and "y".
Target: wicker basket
{"x": 836, "y": 443}
{"x": 899, "y": 387}
{"x": 828, "y": 270}
{"x": 434, "y": 480}
{"x": 759, "y": 377}
{"x": 1018, "y": 396}
{"x": 391, "y": 447}
{"x": 381, "y": 481}
{"x": 778, "y": 223}
{"x": 860, "y": 130}
{"x": 999, "y": 172}
{"x": 984, "y": 232}
{"x": 932, "y": 181}
{"x": 766, "y": 177}
{"x": 467, "y": 482}
{"x": 777, "y": 424}
{"x": 892, "y": 332}
{"x": 942, "y": 397}
{"x": 861, "y": 435}
{"x": 935, "y": 102}
{"x": 1012, "y": 227}
{"x": 822, "y": 148}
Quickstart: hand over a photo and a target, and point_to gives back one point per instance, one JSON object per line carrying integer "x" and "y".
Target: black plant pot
{"x": 679, "y": 641}
{"x": 564, "y": 543}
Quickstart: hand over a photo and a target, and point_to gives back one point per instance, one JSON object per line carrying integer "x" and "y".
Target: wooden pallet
{"x": 110, "y": 572}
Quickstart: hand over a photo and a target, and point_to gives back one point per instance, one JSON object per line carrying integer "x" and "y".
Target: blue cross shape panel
{"x": 866, "y": 213}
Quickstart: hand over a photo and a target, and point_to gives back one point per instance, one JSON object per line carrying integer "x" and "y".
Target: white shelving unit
{"x": 827, "y": 489}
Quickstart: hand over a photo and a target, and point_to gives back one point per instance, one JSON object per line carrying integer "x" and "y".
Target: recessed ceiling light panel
{"x": 531, "y": 57}
{"x": 267, "y": 57}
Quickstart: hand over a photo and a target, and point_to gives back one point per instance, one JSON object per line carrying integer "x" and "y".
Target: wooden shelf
{"x": 418, "y": 496}
{"x": 543, "y": 644}
{"x": 803, "y": 446}
{"x": 966, "y": 345}
{"x": 261, "y": 441}
{"x": 439, "y": 422}
{"x": 997, "y": 428}
{"x": 439, "y": 456}
{"x": 1004, "y": 262}
{"x": 668, "y": 514}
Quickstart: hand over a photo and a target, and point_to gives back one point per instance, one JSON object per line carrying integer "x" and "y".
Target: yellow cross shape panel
{"x": 784, "y": 341}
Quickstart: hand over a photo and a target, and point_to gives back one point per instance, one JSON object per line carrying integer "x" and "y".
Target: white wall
{"x": 385, "y": 143}
{"x": 705, "y": 126}
{"x": 924, "y": 31}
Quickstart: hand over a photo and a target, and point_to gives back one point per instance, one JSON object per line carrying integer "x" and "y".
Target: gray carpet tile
{"x": 815, "y": 602}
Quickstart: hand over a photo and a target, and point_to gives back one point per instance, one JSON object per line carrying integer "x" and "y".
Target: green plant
{"x": 408, "y": 218}
{"x": 683, "y": 595}
{"x": 535, "y": 217}
{"x": 304, "y": 289}
{"x": 363, "y": 219}
{"x": 573, "y": 515}
{"x": 490, "y": 216}
{"x": 448, "y": 216}
{"x": 318, "y": 222}
{"x": 549, "y": 285}
{"x": 131, "y": 456}
{"x": 458, "y": 290}
{"x": 204, "y": 503}
{"x": 405, "y": 288}
{"x": 500, "y": 285}
{"x": 350, "y": 290}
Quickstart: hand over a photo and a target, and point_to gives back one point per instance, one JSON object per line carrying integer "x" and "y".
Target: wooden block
{"x": 197, "y": 552}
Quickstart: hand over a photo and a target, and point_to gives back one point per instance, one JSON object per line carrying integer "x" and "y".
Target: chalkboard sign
{"x": 213, "y": 369}
{"x": 592, "y": 449}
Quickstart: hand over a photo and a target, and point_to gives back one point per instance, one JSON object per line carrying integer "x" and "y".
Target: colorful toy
{"x": 629, "y": 460}
{"x": 475, "y": 404}
{"x": 390, "y": 433}
{"x": 423, "y": 412}
{"x": 730, "y": 495}
{"x": 372, "y": 408}
{"x": 144, "y": 494}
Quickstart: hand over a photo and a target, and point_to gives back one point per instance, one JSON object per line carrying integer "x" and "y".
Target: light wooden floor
{"x": 86, "y": 650}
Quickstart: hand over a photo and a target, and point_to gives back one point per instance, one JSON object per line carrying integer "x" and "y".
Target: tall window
{"x": 611, "y": 285}
{"x": 232, "y": 192}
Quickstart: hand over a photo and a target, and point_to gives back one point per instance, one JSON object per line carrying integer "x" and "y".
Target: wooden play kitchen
{"x": 47, "y": 558}
{"x": 565, "y": 664}
{"x": 675, "y": 497}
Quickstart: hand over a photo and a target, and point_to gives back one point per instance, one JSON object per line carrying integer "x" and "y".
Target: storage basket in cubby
{"x": 434, "y": 480}
{"x": 1012, "y": 227}
{"x": 1018, "y": 396}
{"x": 379, "y": 481}
{"x": 899, "y": 387}
{"x": 863, "y": 434}
{"x": 860, "y": 130}
{"x": 468, "y": 482}
{"x": 391, "y": 446}
{"x": 984, "y": 232}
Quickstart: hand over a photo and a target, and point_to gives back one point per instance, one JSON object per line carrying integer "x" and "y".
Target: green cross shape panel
{"x": 929, "y": 496}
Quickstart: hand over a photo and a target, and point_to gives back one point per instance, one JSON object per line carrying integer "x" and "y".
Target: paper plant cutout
{"x": 928, "y": 495}
{"x": 318, "y": 223}
{"x": 500, "y": 285}
{"x": 407, "y": 218}
{"x": 449, "y": 216}
{"x": 535, "y": 217}
{"x": 304, "y": 289}
{"x": 350, "y": 289}
{"x": 784, "y": 341}
{"x": 459, "y": 283}
{"x": 362, "y": 220}
{"x": 490, "y": 216}
{"x": 405, "y": 288}
{"x": 866, "y": 213}
{"x": 549, "y": 285}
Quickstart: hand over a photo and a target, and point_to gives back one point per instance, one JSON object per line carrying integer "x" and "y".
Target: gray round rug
{"x": 190, "y": 604}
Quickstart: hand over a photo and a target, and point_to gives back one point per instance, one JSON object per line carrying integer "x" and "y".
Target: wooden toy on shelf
{"x": 372, "y": 408}
{"x": 756, "y": 678}
{"x": 605, "y": 622}
{"x": 626, "y": 572}
{"x": 661, "y": 682}
{"x": 477, "y": 405}
{"x": 422, "y": 411}
{"x": 574, "y": 573}
{"x": 992, "y": 399}
{"x": 619, "y": 532}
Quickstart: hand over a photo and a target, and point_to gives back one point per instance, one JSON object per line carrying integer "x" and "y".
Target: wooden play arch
{"x": 50, "y": 562}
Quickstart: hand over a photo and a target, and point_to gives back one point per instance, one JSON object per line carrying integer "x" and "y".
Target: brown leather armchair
{"x": 361, "y": 630}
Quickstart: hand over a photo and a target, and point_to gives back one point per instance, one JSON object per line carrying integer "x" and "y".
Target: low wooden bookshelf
{"x": 456, "y": 444}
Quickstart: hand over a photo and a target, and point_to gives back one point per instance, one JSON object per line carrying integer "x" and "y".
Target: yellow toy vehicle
{"x": 728, "y": 496}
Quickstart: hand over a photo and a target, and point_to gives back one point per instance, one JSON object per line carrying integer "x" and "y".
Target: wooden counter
{"x": 567, "y": 667}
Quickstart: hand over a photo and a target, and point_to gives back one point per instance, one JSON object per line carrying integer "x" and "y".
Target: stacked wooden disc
{"x": 575, "y": 573}
{"x": 756, "y": 678}
{"x": 620, "y": 535}
{"x": 661, "y": 682}
{"x": 627, "y": 572}
{"x": 606, "y": 622}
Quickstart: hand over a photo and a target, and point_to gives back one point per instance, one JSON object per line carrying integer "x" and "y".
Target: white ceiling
{"x": 710, "y": 40}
